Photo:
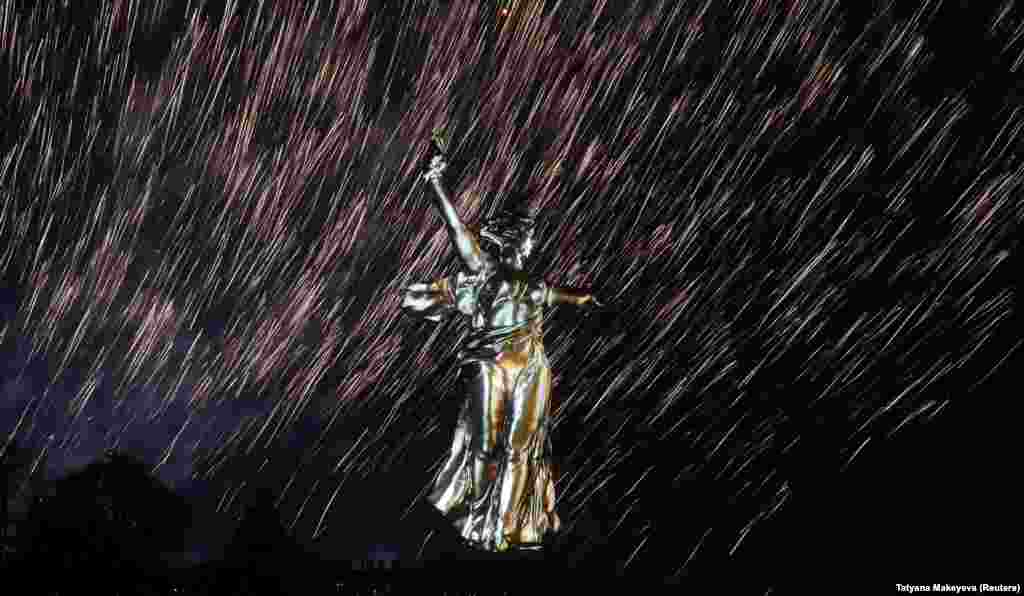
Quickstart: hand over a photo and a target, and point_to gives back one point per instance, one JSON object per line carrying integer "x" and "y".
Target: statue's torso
{"x": 501, "y": 302}
{"x": 513, "y": 302}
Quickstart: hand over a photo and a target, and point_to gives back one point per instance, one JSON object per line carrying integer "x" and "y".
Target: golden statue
{"x": 496, "y": 486}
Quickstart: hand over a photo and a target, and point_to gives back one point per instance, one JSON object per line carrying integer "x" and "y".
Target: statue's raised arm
{"x": 463, "y": 239}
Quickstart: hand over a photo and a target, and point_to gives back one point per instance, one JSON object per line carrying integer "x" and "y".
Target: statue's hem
{"x": 512, "y": 547}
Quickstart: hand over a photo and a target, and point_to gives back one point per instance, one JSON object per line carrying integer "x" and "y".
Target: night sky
{"x": 804, "y": 218}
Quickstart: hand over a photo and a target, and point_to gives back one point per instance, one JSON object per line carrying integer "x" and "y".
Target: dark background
{"x": 931, "y": 500}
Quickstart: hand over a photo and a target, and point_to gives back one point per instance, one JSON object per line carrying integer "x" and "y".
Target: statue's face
{"x": 517, "y": 255}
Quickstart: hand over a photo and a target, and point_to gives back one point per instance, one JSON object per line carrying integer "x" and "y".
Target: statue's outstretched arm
{"x": 570, "y": 296}
{"x": 463, "y": 239}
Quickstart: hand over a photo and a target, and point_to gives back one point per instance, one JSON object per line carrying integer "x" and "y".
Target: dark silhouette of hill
{"x": 12, "y": 464}
{"x": 110, "y": 524}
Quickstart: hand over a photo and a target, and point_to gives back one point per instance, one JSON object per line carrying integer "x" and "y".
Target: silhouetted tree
{"x": 262, "y": 556}
{"x": 111, "y": 520}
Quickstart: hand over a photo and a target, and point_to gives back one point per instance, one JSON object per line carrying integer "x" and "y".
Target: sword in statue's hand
{"x": 439, "y": 138}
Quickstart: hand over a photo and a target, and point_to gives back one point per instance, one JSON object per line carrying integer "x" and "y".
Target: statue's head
{"x": 510, "y": 231}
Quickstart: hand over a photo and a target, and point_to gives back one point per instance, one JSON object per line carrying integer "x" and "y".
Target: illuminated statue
{"x": 496, "y": 486}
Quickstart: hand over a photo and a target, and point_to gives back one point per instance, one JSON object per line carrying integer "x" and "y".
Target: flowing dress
{"x": 496, "y": 485}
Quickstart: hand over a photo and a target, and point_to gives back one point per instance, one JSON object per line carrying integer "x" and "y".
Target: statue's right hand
{"x": 436, "y": 169}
